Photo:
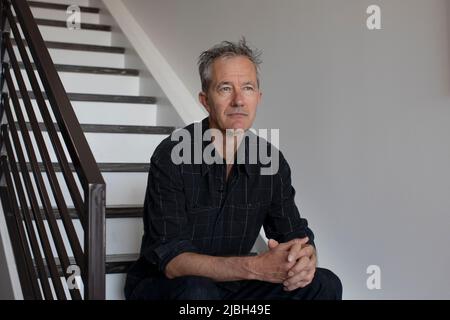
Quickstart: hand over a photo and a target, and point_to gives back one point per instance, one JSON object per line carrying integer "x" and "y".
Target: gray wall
{"x": 364, "y": 118}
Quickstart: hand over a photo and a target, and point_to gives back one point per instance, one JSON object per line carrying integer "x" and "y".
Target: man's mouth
{"x": 237, "y": 114}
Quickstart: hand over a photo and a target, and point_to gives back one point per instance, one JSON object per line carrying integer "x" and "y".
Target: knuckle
{"x": 285, "y": 267}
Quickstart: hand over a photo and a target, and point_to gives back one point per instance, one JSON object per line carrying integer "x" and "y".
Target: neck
{"x": 227, "y": 144}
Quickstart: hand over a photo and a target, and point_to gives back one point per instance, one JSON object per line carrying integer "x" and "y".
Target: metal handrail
{"x": 91, "y": 208}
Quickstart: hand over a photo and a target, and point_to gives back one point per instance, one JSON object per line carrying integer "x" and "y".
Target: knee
{"x": 328, "y": 284}
{"x": 195, "y": 288}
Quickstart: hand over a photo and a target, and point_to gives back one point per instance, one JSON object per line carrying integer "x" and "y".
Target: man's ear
{"x": 203, "y": 98}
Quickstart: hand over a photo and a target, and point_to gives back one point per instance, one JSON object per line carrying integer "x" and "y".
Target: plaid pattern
{"x": 194, "y": 208}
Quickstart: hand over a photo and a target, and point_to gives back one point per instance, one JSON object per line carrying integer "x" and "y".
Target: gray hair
{"x": 222, "y": 50}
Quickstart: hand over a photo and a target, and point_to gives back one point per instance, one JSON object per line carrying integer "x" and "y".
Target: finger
{"x": 294, "y": 251}
{"x": 311, "y": 264}
{"x": 303, "y": 284}
{"x": 299, "y": 281}
{"x": 294, "y": 286}
{"x": 309, "y": 278}
{"x": 296, "y": 278}
{"x": 272, "y": 243}
{"x": 301, "y": 265}
{"x": 289, "y": 244}
{"x": 305, "y": 251}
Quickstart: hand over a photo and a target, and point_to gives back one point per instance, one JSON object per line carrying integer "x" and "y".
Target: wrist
{"x": 251, "y": 267}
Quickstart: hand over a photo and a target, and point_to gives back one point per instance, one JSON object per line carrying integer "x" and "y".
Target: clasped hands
{"x": 291, "y": 263}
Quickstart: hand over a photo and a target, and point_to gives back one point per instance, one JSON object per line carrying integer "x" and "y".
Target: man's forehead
{"x": 234, "y": 66}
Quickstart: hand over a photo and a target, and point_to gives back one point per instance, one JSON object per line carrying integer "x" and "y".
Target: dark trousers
{"x": 325, "y": 286}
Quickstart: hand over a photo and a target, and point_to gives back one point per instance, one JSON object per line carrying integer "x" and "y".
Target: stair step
{"x": 105, "y": 167}
{"x": 84, "y": 3}
{"x": 80, "y": 47}
{"x": 63, "y": 24}
{"x": 58, "y": 6}
{"x": 83, "y": 54}
{"x": 120, "y": 263}
{"x": 92, "y": 83}
{"x": 89, "y": 69}
{"x": 105, "y": 128}
{"x": 115, "y": 263}
{"x": 112, "y": 212}
{"x": 103, "y": 98}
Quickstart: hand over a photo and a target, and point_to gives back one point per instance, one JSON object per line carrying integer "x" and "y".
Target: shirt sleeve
{"x": 283, "y": 222}
{"x": 166, "y": 229}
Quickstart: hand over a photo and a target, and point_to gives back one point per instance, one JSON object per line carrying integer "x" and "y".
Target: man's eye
{"x": 248, "y": 88}
{"x": 225, "y": 89}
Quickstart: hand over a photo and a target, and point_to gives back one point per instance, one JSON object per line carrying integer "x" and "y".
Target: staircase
{"x": 119, "y": 124}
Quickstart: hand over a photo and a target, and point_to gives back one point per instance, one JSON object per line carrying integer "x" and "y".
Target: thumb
{"x": 272, "y": 243}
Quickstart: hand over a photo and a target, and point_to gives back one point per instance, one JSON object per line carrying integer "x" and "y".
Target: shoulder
{"x": 270, "y": 159}
{"x": 163, "y": 152}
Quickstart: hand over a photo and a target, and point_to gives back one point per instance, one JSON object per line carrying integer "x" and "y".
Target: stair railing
{"x": 49, "y": 256}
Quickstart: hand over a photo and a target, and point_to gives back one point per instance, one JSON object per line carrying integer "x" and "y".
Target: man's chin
{"x": 239, "y": 125}
{"x": 238, "y": 128}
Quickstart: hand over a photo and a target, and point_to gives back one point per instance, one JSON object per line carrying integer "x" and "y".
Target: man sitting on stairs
{"x": 202, "y": 218}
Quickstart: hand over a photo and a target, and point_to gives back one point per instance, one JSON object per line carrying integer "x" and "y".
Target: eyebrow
{"x": 229, "y": 83}
{"x": 223, "y": 83}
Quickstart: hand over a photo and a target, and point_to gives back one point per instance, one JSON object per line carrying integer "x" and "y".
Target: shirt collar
{"x": 244, "y": 166}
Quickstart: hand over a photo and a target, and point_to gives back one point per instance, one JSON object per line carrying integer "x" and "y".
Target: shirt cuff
{"x": 307, "y": 233}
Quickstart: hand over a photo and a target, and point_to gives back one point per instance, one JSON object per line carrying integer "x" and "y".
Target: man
{"x": 201, "y": 220}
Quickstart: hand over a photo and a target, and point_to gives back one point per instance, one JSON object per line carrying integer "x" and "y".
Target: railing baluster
{"x": 57, "y": 285}
{"x": 91, "y": 209}
{"x": 60, "y": 154}
{"x": 68, "y": 224}
{"x": 42, "y": 191}
{"x": 81, "y": 155}
{"x": 44, "y": 241}
{"x": 65, "y": 116}
{"x": 32, "y": 238}
{"x": 26, "y": 270}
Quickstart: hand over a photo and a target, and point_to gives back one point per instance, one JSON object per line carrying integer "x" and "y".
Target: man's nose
{"x": 238, "y": 99}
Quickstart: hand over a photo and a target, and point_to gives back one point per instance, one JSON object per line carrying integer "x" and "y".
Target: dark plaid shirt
{"x": 195, "y": 208}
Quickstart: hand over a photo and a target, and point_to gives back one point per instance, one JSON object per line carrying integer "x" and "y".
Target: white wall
{"x": 364, "y": 118}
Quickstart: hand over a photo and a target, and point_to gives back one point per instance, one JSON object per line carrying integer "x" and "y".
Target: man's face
{"x": 233, "y": 94}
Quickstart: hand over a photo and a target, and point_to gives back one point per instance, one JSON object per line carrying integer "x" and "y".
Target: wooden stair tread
{"x": 104, "y": 167}
{"x": 90, "y": 69}
{"x": 115, "y": 263}
{"x": 111, "y": 212}
{"x": 58, "y": 6}
{"x": 112, "y": 128}
{"x": 93, "y": 97}
{"x": 79, "y": 46}
{"x": 63, "y": 24}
